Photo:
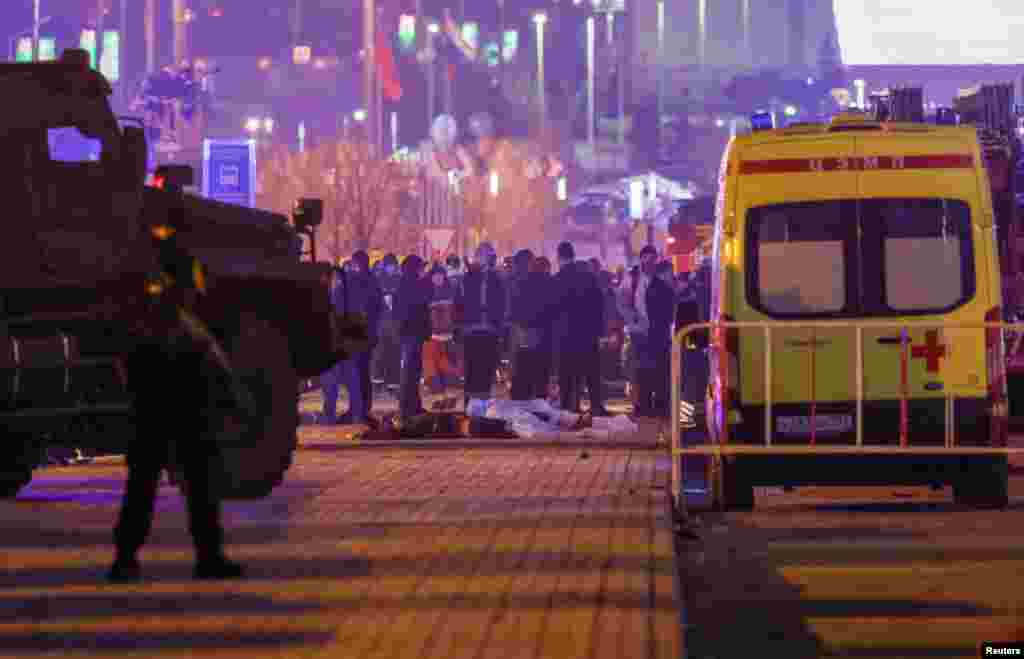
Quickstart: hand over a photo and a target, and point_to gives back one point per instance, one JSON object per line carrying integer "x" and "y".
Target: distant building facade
{"x": 941, "y": 83}
{"x": 713, "y": 40}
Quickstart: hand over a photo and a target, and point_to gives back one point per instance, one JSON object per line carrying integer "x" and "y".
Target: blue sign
{"x": 229, "y": 171}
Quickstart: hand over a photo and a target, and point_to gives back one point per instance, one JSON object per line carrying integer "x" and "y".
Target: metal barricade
{"x": 719, "y": 446}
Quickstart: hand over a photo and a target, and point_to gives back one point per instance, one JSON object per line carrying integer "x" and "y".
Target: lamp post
{"x": 35, "y": 31}
{"x": 661, "y": 70}
{"x": 702, "y": 36}
{"x": 428, "y": 57}
{"x": 539, "y": 19}
{"x": 501, "y": 45}
{"x": 748, "y": 51}
{"x": 180, "y": 32}
{"x": 370, "y": 67}
{"x": 620, "y": 55}
{"x": 123, "y": 55}
{"x": 591, "y": 110}
{"x": 150, "y": 28}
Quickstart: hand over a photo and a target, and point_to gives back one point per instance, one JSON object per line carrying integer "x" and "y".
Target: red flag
{"x": 386, "y": 69}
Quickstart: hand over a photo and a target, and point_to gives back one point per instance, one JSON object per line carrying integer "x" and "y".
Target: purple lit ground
{"x": 378, "y": 552}
{"x": 511, "y": 552}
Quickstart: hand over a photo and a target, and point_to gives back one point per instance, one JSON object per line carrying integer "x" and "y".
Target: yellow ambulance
{"x": 845, "y": 224}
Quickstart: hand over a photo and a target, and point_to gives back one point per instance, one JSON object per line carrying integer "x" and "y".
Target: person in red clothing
{"x": 438, "y": 369}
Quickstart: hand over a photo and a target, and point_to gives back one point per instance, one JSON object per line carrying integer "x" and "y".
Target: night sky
{"x": 931, "y": 31}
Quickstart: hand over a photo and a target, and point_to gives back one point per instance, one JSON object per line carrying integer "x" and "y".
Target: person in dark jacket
{"x": 530, "y": 328}
{"x": 387, "y": 362}
{"x": 654, "y": 302}
{"x": 578, "y": 309}
{"x": 175, "y": 357}
{"x": 412, "y": 318}
{"x": 663, "y": 313}
{"x": 546, "y": 352}
{"x": 481, "y": 304}
{"x": 332, "y": 380}
{"x": 517, "y": 338}
{"x": 611, "y": 364}
{"x": 365, "y": 297}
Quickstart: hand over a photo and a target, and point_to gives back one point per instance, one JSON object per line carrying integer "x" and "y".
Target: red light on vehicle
{"x": 159, "y": 182}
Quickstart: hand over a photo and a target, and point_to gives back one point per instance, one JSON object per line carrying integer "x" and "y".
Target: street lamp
{"x": 257, "y": 127}
{"x": 540, "y": 19}
{"x": 359, "y": 115}
{"x": 428, "y": 56}
{"x": 301, "y": 55}
{"x": 35, "y": 31}
{"x": 661, "y": 70}
{"x": 591, "y": 110}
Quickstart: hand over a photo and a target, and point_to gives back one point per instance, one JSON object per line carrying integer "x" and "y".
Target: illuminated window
{"x": 510, "y": 45}
{"x": 302, "y": 54}
{"x": 88, "y": 44}
{"x": 24, "y": 52}
{"x": 407, "y": 31}
{"x": 47, "y": 49}
{"x": 110, "y": 60}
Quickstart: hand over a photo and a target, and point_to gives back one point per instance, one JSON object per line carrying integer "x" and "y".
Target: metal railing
{"x": 718, "y": 446}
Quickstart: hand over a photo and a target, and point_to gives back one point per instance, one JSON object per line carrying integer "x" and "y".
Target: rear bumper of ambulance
{"x": 834, "y": 423}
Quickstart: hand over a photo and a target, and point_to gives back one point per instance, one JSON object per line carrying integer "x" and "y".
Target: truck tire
{"x": 252, "y": 462}
{"x": 983, "y": 482}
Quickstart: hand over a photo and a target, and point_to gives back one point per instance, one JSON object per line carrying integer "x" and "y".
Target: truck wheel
{"x": 983, "y": 482}
{"x": 737, "y": 490}
{"x": 252, "y": 461}
{"x": 255, "y": 463}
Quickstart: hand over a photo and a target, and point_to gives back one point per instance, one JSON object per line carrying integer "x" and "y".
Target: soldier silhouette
{"x": 176, "y": 362}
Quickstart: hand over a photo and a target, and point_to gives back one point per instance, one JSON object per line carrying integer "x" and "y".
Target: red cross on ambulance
{"x": 932, "y": 351}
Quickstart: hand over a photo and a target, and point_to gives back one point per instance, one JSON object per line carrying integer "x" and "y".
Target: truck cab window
{"x": 68, "y": 145}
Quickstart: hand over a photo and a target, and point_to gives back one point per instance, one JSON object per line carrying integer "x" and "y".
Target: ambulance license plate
{"x": 824, "y": 423}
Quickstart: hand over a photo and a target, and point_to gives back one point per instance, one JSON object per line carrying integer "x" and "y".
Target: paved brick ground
{"x": 365, "y": 552}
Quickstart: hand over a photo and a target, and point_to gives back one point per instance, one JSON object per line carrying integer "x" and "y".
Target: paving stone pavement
{"x": 524, "y": 551}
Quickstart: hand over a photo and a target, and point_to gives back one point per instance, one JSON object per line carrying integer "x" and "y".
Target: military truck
{"x": 75, "y": 252}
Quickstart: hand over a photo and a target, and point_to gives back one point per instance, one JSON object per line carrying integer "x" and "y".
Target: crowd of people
{"x": 557, "y": 332}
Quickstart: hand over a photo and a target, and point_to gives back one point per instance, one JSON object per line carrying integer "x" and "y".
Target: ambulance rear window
{"x": 800, "y": 257}
{"x": 923, "y": 249}
{"x": 870, "y": 257}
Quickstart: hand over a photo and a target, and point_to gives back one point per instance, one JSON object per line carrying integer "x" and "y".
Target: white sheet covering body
{"x": 538, "y": 419}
